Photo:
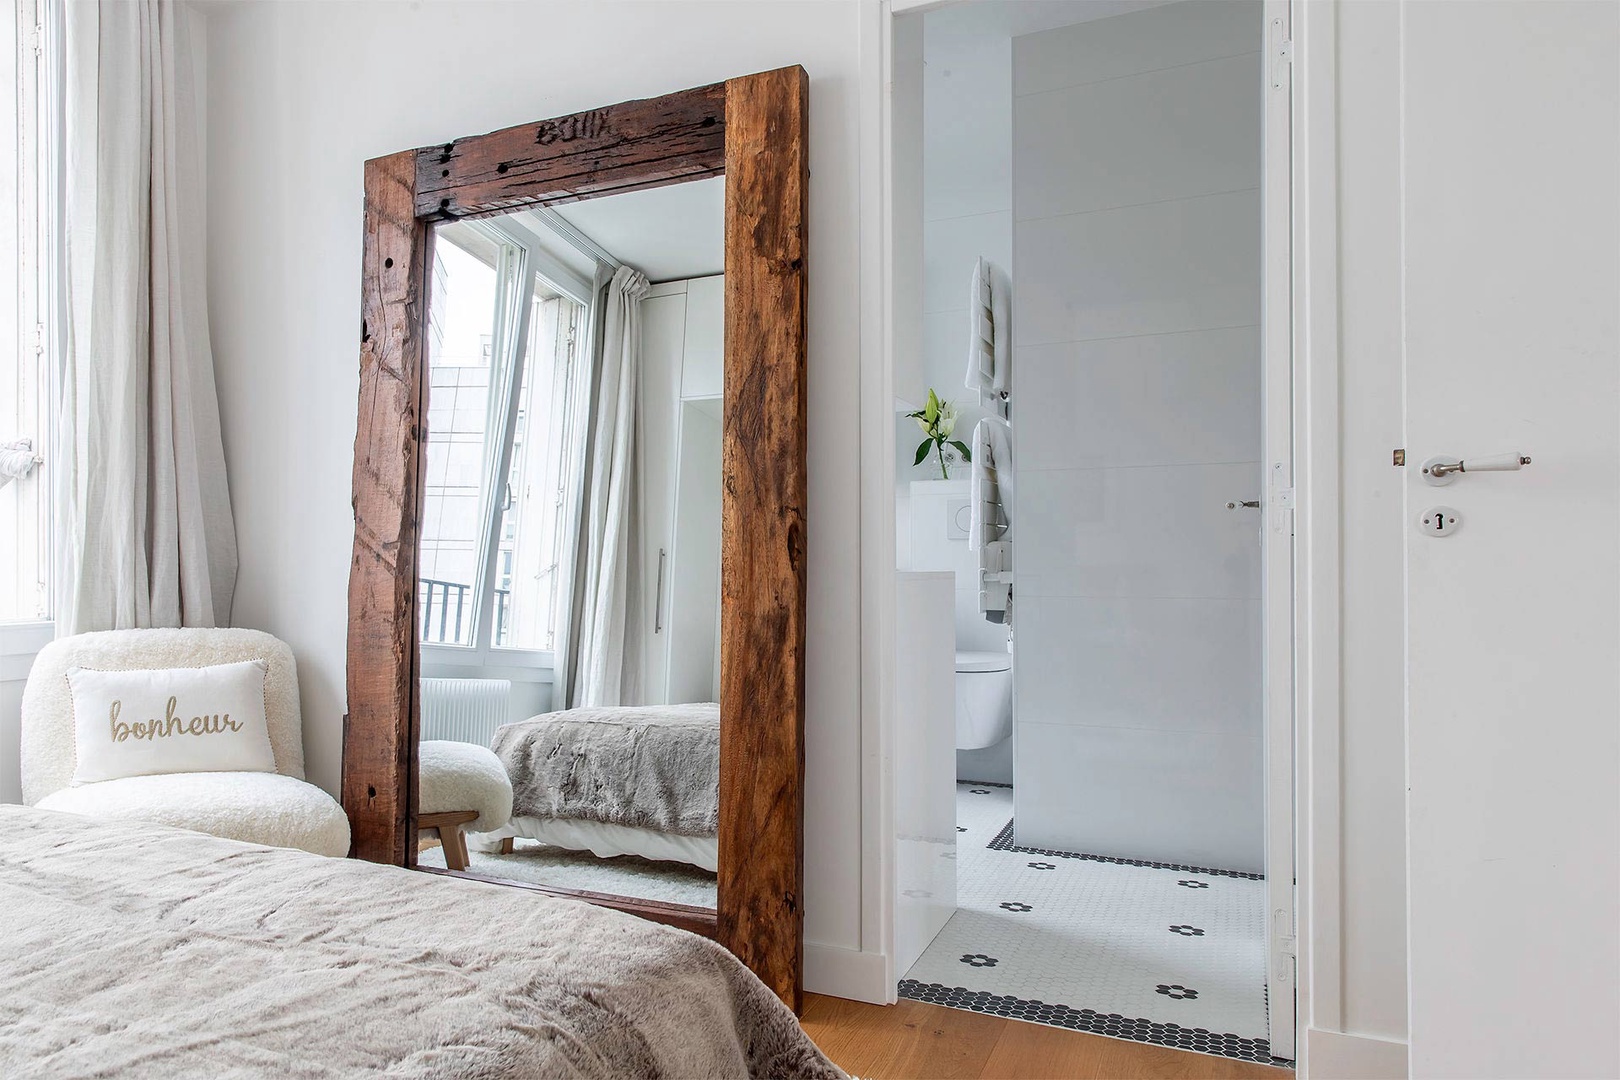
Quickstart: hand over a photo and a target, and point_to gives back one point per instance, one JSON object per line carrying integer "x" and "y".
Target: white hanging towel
{"x": 990, "y": 506}
{"x": 17, "y": 460}
{"x": 989, "y": 369}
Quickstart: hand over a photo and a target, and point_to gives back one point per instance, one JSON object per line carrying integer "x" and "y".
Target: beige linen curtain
{"x": 145, "y": 514}
{"x": 606, "y": 636}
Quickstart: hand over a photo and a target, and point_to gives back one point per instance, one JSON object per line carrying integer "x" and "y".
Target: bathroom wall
{"x": 966, "y": 212}
{"x": 1136, "y": 165}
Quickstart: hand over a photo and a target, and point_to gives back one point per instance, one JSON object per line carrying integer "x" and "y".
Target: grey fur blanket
{"x": 142, "y": 951}
{"x": 651, "y": 766}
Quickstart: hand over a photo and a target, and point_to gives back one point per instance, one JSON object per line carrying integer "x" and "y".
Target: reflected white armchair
{"x": 276, "y": 809}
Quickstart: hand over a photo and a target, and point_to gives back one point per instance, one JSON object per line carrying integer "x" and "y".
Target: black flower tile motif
{"x": 979, "y": 960}
{"x": 1042, "y": 866}
{"x": 1014, "y": 905}
{"x": 1003, "y": 841}
{"x": 959, "y": 828}
{"x": 1177, "y": 992}
{"x": 1201, "y": 1040}
{"x": 1187, "y": 931}
{"x": 1193, "y": 884}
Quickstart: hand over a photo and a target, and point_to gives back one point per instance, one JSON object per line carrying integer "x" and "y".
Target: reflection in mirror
{"x": 569, "y": 562}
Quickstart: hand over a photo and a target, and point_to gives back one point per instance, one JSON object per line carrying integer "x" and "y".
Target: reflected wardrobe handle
{"x": 658, "y": 603}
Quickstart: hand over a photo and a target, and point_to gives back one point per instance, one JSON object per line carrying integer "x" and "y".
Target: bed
{"x": 141, "y": 950}
{"x": 626, "y": 780}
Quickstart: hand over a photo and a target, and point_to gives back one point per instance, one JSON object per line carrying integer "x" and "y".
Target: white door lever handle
{"x": 1443, "y": 470}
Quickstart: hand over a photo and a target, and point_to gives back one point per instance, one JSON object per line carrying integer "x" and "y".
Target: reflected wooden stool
{"x": 449, "y": 825}
{"x": 463, "y": 788}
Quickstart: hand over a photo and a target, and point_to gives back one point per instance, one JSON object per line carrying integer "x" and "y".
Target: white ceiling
{"x": 668, "y": 233}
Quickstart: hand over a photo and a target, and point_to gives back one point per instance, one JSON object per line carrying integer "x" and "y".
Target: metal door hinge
{"x": 1282, "y": 54}
{"x": 1283, "y": 942}
{"x": 1282, "y": 511}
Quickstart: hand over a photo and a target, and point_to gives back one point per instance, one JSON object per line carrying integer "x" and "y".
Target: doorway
{"x": 1093, "y": 394}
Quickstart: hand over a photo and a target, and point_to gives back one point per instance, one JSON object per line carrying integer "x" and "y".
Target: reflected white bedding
{"x": 606, "y": 840}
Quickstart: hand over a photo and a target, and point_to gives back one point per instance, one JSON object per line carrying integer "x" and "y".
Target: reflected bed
{"x": 622, "y": 780}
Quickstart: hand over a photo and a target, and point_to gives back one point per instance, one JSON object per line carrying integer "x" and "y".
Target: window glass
{"x": 536, "y": 506}
{"x": 461, "y": 348}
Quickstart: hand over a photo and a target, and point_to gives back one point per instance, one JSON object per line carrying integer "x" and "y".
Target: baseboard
{"x": 1333, "y": 1055}
{"x": 847, "y": 973}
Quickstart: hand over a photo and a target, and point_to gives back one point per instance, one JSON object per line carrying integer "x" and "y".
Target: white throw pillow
{"x": 175, "y": 720}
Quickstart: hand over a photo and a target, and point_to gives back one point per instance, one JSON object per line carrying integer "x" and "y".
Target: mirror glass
{"x": 569, "y": 559}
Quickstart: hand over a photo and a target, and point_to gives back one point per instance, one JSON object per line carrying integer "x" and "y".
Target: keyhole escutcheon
{"x": 1440, "y": 521}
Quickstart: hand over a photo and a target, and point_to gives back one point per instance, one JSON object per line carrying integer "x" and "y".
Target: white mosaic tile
{"x": 1162, "y": 955}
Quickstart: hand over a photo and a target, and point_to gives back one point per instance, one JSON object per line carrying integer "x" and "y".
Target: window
{"x": 505, "y": 439}
{"x": 25, "y": 315}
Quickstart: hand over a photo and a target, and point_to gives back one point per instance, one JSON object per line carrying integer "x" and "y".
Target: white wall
{"x": 1136, "y": 418}
{"x": 966, "y": 213}
{"x": 301, "y": 95}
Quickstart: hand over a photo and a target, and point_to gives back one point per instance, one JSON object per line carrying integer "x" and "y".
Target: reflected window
{"x": 504, "y": 407}
{"x": 30, "y": 311}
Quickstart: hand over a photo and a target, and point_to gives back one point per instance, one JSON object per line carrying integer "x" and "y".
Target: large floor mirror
{"x": 577, "y": 598}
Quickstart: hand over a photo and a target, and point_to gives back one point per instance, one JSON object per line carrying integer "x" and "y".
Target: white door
{"x": 663, "y": 333}
{"x": 1511, "y": 297}
{"x": 1277, "y": 527}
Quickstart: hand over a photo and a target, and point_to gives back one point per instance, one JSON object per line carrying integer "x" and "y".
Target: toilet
{"x": 983, "y": 699}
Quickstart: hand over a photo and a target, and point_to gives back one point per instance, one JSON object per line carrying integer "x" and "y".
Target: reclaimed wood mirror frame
{"x": 752, "y": 130}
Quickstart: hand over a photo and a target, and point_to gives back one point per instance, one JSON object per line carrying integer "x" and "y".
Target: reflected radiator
{"x": 464, "y": 710}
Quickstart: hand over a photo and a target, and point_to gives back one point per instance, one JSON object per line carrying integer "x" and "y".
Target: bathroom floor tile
{"x": 1156, "y": 954}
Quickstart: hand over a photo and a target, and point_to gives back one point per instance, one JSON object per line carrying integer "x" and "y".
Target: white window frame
{"x": 483, "y": 658}
{"x": 39, "y": 312}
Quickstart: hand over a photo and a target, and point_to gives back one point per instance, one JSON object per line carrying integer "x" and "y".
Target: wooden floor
{"x": 915, "y": 1041}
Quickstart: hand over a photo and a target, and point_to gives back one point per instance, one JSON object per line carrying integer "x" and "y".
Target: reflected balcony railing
{"x": 446, "y": 608}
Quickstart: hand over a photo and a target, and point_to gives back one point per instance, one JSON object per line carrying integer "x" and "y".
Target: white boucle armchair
{"x": 276, "y": 809}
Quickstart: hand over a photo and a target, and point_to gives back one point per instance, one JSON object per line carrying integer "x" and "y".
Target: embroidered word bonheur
{"x": 170, "y": 725}
{"x": 170, "y": 720}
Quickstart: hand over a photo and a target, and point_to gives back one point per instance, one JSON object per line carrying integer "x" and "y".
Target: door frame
{"x": 1277, "y": 526}
{"x": 1301, "y": 332}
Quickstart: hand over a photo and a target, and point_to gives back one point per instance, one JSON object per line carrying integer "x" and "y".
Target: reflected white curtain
{"x": 143, "y": 501}
{"x": 606, "y": 637}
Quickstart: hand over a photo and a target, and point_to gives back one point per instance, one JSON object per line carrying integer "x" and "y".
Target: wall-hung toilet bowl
{"x": 983, "y": 699}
